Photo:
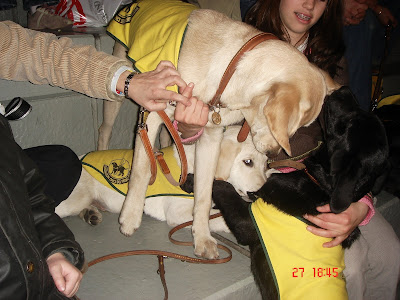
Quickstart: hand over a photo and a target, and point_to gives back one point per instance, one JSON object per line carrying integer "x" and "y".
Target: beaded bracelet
{"x": 127, "y": 81}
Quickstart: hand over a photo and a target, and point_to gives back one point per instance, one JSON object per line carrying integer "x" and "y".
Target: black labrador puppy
{"x": 351, "y": 162}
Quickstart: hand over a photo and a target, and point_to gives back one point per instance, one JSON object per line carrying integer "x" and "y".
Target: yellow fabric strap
{"x": 299, "y": 263}
{"x": 152, "y": 30}
{"x": 113, "y": 168}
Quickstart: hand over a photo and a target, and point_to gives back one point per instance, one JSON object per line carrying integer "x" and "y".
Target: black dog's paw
{"x": 188, "y": 185}
{"x": 351, "y": 238}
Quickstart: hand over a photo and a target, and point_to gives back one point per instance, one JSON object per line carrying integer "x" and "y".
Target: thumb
{"x": 59, "y": 280}
{"x": 187, "y": 91}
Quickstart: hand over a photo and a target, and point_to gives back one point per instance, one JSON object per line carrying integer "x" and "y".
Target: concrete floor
{"x": 136, "y": 277}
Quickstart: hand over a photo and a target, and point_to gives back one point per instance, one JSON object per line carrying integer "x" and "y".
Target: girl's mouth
{"x": 303, "y": 17}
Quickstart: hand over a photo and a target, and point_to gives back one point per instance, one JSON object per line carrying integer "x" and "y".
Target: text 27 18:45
{"x": 317, "y": 272}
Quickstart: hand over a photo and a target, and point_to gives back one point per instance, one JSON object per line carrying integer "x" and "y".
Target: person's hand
{"x": 337, "y": 226}
{"x": 384, "y": 15}
{"x": 149, "y": 89}
{"x": 65, "y": 275}
{"x": 354, "y": 11}
{"x": 191, "y": 119}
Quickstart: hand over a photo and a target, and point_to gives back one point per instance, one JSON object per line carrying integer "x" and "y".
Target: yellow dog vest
{"x": 152, "y": 30}
{"x": 113, "y": 168}
{"x": 301, "y": 267}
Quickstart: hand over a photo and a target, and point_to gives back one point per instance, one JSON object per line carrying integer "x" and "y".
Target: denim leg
{"x": 357, "y": 39}
{"x": 7, "y": 4}
{"x": 245, "y": 5}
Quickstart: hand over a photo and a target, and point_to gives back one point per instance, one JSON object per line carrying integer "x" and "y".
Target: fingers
{"x": 195, "y": 114}
{"x": 187, "y": 91}
{"x": 335, "y": 242}
{"x": 59, "y": 280}
{"x": 324, "y": 209}
{"x": 165, "y": 64}
{"x": 73, "y": 280}
{"x": 171, "y": 76}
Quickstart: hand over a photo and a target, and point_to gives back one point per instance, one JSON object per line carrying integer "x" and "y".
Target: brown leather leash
{"x": 215, "y": 103}
{"x": 157, "y": 156}
{"x": 165, "y": 254}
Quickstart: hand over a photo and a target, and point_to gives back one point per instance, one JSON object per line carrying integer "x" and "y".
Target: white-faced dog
{"x": 274, "y": 88}
{"x": 239, "y": 163}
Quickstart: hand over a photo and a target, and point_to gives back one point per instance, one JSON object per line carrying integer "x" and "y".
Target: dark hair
{"x": 325, "y": 42}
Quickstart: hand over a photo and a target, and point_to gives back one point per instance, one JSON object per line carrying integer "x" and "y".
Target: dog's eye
{"x": 248, "y": 162}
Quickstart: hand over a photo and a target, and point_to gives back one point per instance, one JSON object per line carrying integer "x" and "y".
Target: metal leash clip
{"x": 142, "y": 119}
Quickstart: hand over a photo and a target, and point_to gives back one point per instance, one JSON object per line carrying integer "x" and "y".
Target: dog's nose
{"x": 252, "y": 196}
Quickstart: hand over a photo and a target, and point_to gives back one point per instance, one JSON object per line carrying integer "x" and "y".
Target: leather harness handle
{"x": 158, "y": 156}
{"x": 254, "y": 41}
{"x": 250, "y": 44}
{"x": 153, "y": 157}
{"x": 181, "y": 152}
{"x": 149, "y": 150}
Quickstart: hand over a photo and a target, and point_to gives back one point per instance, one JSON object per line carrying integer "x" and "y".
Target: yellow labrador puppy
{"x": 239, "y": 163}
{"x": 274, "y": 88}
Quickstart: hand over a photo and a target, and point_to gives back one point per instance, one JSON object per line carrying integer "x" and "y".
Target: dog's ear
{"x": 282, "y": 113}
{"x": 343, "y": 190}
{"x": 229, "y": 151}
{"x": 331, "y": 84}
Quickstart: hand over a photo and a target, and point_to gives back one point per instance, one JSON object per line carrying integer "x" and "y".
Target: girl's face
{"x": 298, "y": 16}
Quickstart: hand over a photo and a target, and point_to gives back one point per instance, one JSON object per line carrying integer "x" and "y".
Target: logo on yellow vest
{"x": 117, "y": 171}
{"x": 124, "y": 17}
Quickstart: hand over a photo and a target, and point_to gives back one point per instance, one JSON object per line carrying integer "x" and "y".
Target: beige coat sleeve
{"x": 43, "y": 58}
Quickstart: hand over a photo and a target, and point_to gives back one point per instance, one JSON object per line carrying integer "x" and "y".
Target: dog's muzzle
{"x": 252, "y": 196}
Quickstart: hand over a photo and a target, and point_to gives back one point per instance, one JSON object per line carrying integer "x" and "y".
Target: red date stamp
{"x": 316, "y": 272}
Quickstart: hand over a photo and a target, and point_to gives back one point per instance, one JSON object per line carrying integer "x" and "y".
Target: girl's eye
{"x": 248, "y": 162}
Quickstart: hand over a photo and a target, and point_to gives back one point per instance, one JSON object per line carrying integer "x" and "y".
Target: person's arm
{"x": 63, "y": 254}
{"x": 43, "y": 58}
{"x": 354, "y": 11}
{"x": 384, "y": 15}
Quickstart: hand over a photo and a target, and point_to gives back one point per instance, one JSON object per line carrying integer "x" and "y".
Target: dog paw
{"x": 91, "y": 215}
{"x": 207, "y": 248}
{"x": 128, "y": 228}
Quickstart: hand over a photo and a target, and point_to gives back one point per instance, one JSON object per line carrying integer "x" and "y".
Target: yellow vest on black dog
{"x": 302, "y": 268}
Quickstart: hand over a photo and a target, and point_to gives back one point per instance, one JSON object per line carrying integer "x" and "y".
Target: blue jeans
{"x": 245, "y": 5}
{"x": 358, "y": 41}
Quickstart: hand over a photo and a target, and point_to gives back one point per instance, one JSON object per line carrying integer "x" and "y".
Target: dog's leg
{"x": 110, "y": 108}
{"x": 165, "y": 138}
{"x": 81, "y": 197}
{"x": 132, "y": 209}
{"x": 110, "y": 113}
{"x": 206, "y": 157}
